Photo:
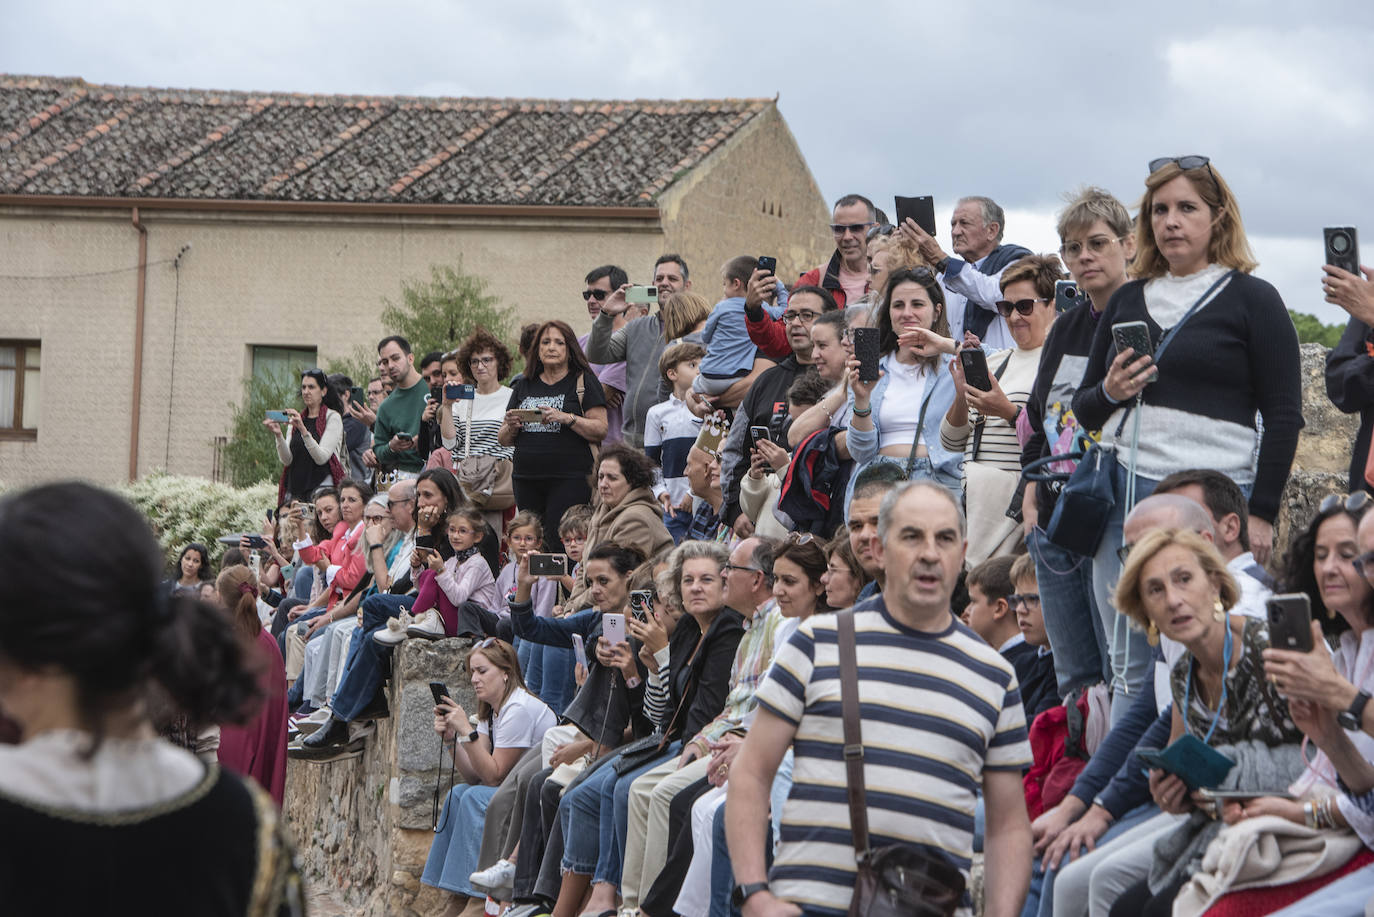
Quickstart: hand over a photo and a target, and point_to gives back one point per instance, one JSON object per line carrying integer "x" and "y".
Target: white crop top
{"x": 906, "y": 389}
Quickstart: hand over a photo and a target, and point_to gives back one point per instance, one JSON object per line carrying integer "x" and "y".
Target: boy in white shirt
{"x": 670, "y": 429}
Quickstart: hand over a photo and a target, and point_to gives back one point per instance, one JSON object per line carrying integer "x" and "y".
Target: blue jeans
{"x": 600, "y": 800}
{"x": 1072, "y": 621}
{"x": 677, "y": 522}
{"x": 453, "y": 854}
{"x": 367, "y": 659}
{"x": 1128, "y": 652}
{"x": 722, "y": 871}
{"x": 548, "y": 672}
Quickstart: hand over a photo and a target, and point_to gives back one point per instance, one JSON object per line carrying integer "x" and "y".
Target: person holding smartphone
{"x": 1175, "y": 583}
{"x": 315, "y": 454}
{"x": 481, "y": 361}
{"x": 896, "y": 417}
{"x": 510, "y": 721}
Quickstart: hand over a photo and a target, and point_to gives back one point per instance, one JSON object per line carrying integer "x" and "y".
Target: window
{"x": 284, "y": 363}
{"x": 19, "y": 389}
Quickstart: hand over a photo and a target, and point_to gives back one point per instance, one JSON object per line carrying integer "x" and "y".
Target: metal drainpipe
{"x": 139, "y": 304}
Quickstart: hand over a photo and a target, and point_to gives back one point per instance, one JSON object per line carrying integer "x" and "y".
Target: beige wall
{"x": 248, "y": 279}
{"x": 753, "y": 196}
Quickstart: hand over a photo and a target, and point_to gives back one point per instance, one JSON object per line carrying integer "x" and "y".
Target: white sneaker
{"x": 429, "y": 626}
{"x": 314, "y": 721}
{"x": 395, "y": 630}
{"x": 494, "y": 878}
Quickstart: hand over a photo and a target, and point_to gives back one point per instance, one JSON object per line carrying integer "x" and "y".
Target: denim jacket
{"x": 947, "y": 466}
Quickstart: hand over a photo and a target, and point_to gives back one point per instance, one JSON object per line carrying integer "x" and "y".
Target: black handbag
{"x": 910, "y": 880}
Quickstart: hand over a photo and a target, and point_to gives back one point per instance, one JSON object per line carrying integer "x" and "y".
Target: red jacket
{"x": 770, "y": 335}
{"x": 342, "y": 552}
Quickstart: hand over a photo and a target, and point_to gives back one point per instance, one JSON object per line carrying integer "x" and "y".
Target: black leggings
{"x": 550, "y": 498}
{"x": 1137, "y": 901}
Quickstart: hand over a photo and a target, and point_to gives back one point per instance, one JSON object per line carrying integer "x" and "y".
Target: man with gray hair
{"x": 956, "y": 726}
{"x": 972, "y": 279}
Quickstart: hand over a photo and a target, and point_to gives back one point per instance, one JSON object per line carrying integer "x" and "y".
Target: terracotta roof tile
{"x": 62, "y": 136}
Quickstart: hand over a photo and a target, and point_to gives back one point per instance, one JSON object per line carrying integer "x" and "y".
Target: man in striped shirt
{"x": 941, "y": 719}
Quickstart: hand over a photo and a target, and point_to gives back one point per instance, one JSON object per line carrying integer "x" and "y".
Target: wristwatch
{"x": 470, "y": 737}
{"x": 1352, "y": 717}
{"x": 942, "y": 264}
{"x": 742, "y": 892}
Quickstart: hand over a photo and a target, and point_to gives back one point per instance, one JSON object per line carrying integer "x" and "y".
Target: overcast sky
{"x": 1020, "y": 101}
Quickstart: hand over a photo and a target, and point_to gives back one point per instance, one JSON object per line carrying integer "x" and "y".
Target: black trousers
{"x": 550, "y": 498}
{"x": 659, "y": 899}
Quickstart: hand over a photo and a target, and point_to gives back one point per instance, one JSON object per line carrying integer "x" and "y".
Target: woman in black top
{"x": 1236, "y": 357}
{"x": 193, "y": 568}
{"x": 315, "y": 454}
{"x": 91, "y": 783}
{"x": 553, "y": 454}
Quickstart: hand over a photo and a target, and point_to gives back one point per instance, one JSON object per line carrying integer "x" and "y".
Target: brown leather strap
{"x": 853, "y": 737}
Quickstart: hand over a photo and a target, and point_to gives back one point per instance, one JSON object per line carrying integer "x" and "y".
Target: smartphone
{"x": 1243, "y": 794}
{"x": 255, "y": 564}
{"x": 548, "y": 565}
{"x": 641, "y": 602}
{"x": 712, "y": 435}
{"x": 1135, "y": 335}
{"x": 424, "y": 542}
{"x": 308, "y": 512}
{"x": 254, "y": 541}
{"x": 1290, "y": 622}
{"x": 866, "y": 343}
{"x": 641, "y": 296}
{"x": 439, "y": 690}
{"x": 768, "y": 263}
{"x": 1342, "y": 248}
{"x": 528, "y": 415}
{"x": 920, "y": 209}
{"x": 579, "y": 649}
{"x": 975, "y": 365}
{"x": 453, "y": 391}
{"x": 758, "y": 435}
{"x": 613, "y": 627}
{"x": 1065, "y": 295}
{"x": 278, "y": 416}
{"x": 1189, "y": 759}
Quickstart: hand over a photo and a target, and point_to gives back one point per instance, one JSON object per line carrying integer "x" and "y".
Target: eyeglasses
{"x": 1364, "y": 564}
{"x": 1097, "y": 245}
{"x": 1186, "y": 163}
{"x": 487, "y": 361}
{"x": 374, "y": 518}
{"x": 805, "y": 316}
{"x": 857, "y": 229}
{"x": 728, "y": 567}
{"x": 1123, "y": 552}
{"x": 1353, "y": 503}
{"x": 1029, "y": 599}
{"x": 882, "y": 229}
{"x": 1023, "y": 306}
{"x": 490, "y": 641}
{"x": 800, "y": 538}
{"x": 598, "y": 295}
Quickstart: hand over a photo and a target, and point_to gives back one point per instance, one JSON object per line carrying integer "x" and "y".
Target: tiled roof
{"x": 70, "y": 138}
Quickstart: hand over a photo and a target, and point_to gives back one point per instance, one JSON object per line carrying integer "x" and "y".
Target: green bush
{"x": 183, "y": 509}
{"x": 250, "y": 455}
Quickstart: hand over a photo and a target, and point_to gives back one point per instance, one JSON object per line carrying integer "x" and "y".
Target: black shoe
{"x": 376, "y": 708}
{"x": 327, "y": 738}
{"x": 328, "y": 753}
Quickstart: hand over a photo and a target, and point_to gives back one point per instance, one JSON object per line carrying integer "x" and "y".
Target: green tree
{"x": 251, "y": 452}
{"x": 439, "y": 314}
{"x": 1311, "y": 330}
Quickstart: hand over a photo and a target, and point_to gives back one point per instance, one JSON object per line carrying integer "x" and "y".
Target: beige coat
{"x": 636, "y": 521}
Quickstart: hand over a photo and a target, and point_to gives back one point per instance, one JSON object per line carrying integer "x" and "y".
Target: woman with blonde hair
{"x": 1229, "y": 352}
{"x": 683, "y": 315}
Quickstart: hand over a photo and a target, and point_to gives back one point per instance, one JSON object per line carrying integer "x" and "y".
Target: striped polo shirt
{"x": 938, "y": 709}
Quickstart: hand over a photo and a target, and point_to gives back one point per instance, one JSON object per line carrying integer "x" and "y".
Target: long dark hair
{"x": 453, "y": 498}
{"x": 924, "y": 278}
{"x": 117, "y": 634}
{"x": 331, "y": 397}
{"x": 577, "y": 360}
{"x": 205, "y": 568}
{"x": 1299, "y": 576}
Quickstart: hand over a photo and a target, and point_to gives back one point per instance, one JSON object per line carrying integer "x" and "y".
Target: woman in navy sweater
{"x": 1236, "y": 356}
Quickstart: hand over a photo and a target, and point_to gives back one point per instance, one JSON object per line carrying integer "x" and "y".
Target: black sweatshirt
{"x": 1237, "y": 355}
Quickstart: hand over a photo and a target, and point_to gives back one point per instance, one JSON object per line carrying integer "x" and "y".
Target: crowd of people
{"x": 927, "y": 555}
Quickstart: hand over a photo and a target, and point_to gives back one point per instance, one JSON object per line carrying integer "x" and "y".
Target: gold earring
{"x": 1152, "y": 634}
{"x": 1218, "y": 610}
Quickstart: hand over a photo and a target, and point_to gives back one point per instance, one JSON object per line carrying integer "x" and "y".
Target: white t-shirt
{"x": 521, "y": 722}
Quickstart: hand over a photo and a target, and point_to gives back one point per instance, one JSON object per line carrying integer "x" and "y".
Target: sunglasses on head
{"x": 1352, "y": 503}
{"x": 800, "y": 538}
{"x": 598, "y": 295}
{"x": 1023, "y": 306}
{"x": 1186, "y": 163}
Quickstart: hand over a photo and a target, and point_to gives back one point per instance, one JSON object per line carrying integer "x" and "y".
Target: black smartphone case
{"x": 866, "y": 352}
{"x": 975, "y": 366}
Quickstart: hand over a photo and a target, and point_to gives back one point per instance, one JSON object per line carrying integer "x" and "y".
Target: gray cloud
{"x": 1019, "y": 101}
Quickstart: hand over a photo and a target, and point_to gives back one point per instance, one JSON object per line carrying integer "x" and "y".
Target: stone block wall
{"x": 363, "y": 825}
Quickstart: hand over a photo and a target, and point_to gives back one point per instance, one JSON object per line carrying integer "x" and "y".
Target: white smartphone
{"x": 613, "y": 627}
{"x": 579, "y": 650}
{"x": 255, "y": 564}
